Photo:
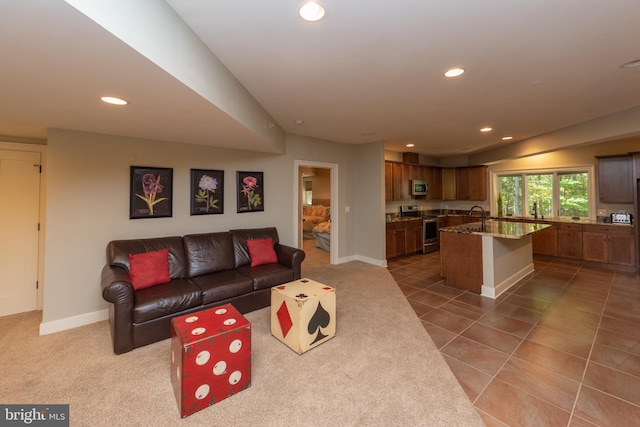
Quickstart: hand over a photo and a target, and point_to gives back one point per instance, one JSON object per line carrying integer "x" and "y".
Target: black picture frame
{"x": 151, "y": 192}
{"x": 207, "y": 192}
{"x": 250, "y": 191}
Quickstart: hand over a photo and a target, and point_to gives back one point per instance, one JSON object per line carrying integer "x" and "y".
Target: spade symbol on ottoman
{"x": 320, "y": 319}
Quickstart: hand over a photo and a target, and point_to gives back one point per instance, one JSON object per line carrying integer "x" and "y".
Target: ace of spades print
{"x": 320, "y": 319}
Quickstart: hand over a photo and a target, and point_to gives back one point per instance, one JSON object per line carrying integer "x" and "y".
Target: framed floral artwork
{"x": 151, "y": 192}
{"x": 207, "y": 192}
{"x": 250, "y": 191}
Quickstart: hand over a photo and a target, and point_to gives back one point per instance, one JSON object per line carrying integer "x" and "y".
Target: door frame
{"x": 297, "y": 205}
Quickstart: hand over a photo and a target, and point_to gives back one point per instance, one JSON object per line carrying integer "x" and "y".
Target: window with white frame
{"x": 547, "y": 193}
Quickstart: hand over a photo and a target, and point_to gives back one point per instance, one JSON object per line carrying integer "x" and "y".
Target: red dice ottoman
{"x": 210, "y": 357}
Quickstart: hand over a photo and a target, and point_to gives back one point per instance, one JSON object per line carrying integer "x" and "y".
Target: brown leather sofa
{"x": 206, "y": 270}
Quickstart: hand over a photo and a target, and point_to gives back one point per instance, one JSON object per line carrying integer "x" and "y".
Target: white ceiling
{"x": 370, "y": 71}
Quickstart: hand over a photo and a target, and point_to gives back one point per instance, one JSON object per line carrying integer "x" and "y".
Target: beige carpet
{"x": 381, "y": 369}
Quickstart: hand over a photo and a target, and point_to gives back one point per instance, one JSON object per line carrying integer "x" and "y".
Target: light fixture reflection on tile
{"x": 507, "y": 138}
{"x": 486, "y": 129}
{"x": 312, "y": 11}
{"x": 454, "y": 72}
{"x": 410, "y": 145}
{"x": 114, "y": 101}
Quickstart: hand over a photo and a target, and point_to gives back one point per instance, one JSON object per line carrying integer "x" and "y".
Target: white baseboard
{"x": 494, "y": 293}
{"x": 372, "y": 261}
{"x": 73, "y": 322}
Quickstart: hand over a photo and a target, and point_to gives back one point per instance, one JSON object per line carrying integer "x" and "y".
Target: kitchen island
{"x": 487, "y": 257}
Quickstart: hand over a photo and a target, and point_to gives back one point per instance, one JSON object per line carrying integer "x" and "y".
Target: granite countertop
{"x": 496, "y": 228}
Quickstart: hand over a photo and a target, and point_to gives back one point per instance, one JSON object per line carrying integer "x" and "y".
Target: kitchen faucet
{"x": 535, "y": 210}
{"x": 481, "y": 210}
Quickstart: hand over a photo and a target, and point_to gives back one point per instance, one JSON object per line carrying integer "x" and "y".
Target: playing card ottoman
{"x": 303, "y": 314}
{"x": 210, "y": 357}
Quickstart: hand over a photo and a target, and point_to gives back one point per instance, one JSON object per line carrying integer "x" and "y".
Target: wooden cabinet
{"x": 448, "y": 184}
{"x": 615, "y": 179}
{"x": 433, "y": 177}
{"x": 545, "y": 242}
{"x": 569, "y": 241}
{"x": 388, "y": 182}
{"x": 395, "y": 239}
{"x": 608, "y": 244}
{"x": 397, "y": 178}
{"x": 413, "y": 236}
{"x": 403, "y": 237}
{"x": 471, "y": 183}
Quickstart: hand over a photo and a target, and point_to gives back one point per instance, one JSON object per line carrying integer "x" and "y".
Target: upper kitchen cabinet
{"x": 433, "y": 177}
{"x": 615, "y": 179}
{"x": 401, "y": 174}
{"x": 448, "y": 183}
{"x": 388, "y": 182}
{"x": 471, "y": 183}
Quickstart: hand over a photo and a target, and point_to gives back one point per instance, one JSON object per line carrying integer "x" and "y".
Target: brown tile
{"x": 620, "y": 326}
{"x": 605, "y": 410}
{"x": 576, "y": 421}
{"x": 427, "y": 298}
{"x": 476, "y": 355}
{"x": 472, "y": 380}
{"x": 446, "y": 320}
{"x": 519, "y": 313}
{"x": 418, "y": 308}
{"x": 413, "y": 282}
{"x": 529, "y": 303}
{"x": 542, "y": 383}
{"x": 618, "y": 341}
{"x": 463, "y": 310}
{"x": 439, "y": 336}
{"x": 560, "y": 362}
{"x": 493, "y": 338}
{"x": 560, "y": 341}
{"x": 477, "y": 300}
{"x": 506, "y": 324}
{"x": 445, "y": 291}
{"x": 616, "y": 359}
{"x": 614, "y": 382}
{"x": 490, "y": 421}
{"x": 622, "y": 306}
{"x": 515, "y": 407}
{"x": 567, "y": 310}
{"x": 559, "y": 322}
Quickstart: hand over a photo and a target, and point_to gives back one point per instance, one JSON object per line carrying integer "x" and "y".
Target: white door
{"x": 19, "y": 216}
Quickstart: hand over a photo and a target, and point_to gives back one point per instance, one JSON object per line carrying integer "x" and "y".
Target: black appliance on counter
{"x": 430, "y": 241}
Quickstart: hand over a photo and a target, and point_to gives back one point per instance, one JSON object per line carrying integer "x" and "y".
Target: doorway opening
{"x": 315, "y": 208}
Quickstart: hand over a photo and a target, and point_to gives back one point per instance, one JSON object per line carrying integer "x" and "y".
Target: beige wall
{"x": 88, "y": 203}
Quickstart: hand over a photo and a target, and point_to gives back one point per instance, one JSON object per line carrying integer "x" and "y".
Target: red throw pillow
{"x": 149, "y": 268}
{"x": 261, "y": 251}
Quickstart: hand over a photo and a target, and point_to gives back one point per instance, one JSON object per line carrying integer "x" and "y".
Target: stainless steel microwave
{"x": 418, "y": 187}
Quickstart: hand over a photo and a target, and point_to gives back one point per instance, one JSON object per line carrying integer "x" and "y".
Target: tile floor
{"x": 560, "y": 348}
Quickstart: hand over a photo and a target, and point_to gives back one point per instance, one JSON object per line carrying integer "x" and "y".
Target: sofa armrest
{"x": 290, "y": 257}
{"x": 117, "y": 289}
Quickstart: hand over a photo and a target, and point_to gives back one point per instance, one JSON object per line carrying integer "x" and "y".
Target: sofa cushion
{"x": 149, "y": 268}
{"x": 118, "y": 252}
{"x": 166, "y": 299}
{"x": 240, "y": 238}
{"x": 261, "y": 251}
{"x": 223, "y": 285}
{"x": 208, "y": 253}
{"x": 268, "y": 275}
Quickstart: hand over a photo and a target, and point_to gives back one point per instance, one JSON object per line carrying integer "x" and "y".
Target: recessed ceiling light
{"x": 454, "y": 72}
{"x": 411, "y": 145}
{"x": 631, "y": 64}
{"x": 312, "y": 11}
{"x": 113, "y": 100}
{"x": 486, "y": 129}
{"x": 298, "y": 122}
{"x": 507, "y": 138}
